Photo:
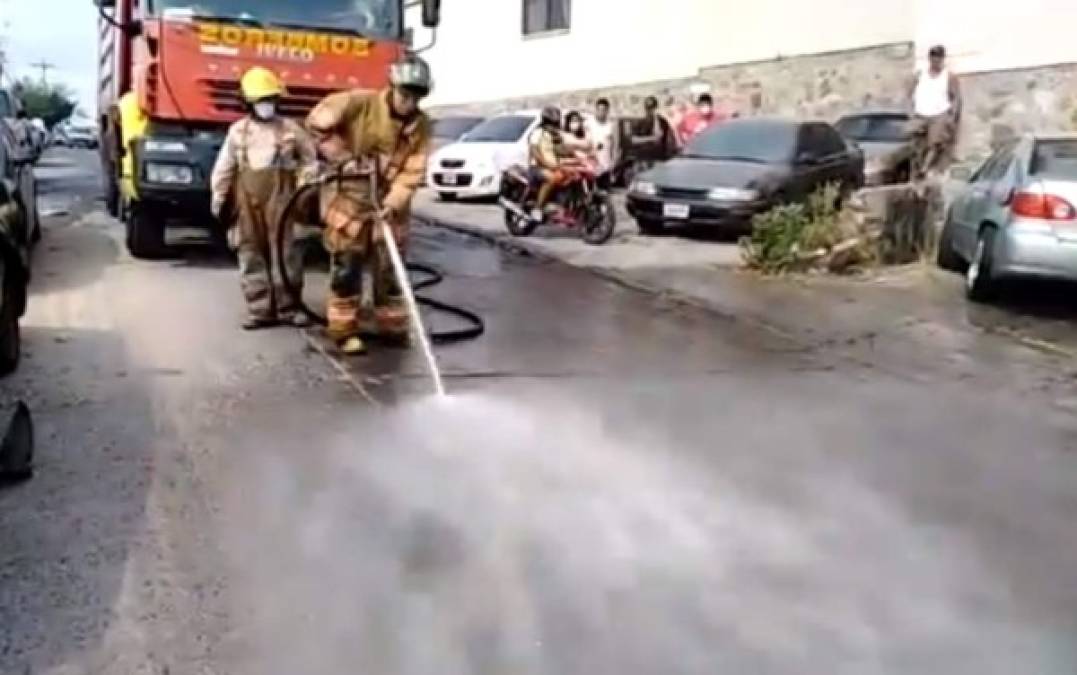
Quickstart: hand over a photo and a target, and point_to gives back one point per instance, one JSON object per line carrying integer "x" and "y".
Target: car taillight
{"x": 1044, "y": 207}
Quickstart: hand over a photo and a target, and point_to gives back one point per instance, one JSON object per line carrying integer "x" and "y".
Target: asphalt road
{"x": 618, "y": 484}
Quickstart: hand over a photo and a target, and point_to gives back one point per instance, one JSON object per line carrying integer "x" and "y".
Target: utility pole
{"x": 45, "y": 67}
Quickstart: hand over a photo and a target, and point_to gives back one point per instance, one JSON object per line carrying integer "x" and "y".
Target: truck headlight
{"x": 175, "y": 174}
{"x": 165, "y": 146}
{"x": 725, "y": 194}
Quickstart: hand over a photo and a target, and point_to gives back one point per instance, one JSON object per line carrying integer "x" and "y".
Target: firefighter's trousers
{"x": 261, "y": 195}
{"x": 364, "y": 298}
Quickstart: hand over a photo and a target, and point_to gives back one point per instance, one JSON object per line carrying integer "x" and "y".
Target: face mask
{"x": 265, "y": 110}
{"x": 705, "y": 110}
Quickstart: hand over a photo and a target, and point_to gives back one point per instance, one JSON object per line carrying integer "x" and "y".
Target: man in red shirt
{"x": 697, "y": 121}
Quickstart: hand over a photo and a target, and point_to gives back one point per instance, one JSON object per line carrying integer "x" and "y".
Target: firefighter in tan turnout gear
{"x": 363, "y": 132}
{"x": 264, "y": 157}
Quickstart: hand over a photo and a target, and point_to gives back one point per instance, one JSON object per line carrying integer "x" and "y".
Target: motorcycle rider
{"x": 364, "y": 132}
{"x": 264, "y": 157}
{"x": 545, "y": 147}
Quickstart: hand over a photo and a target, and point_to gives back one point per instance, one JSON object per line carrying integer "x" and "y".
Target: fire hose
{"x": 476, "y": 326}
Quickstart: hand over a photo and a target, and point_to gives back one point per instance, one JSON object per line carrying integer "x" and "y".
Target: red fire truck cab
{"x": 182, "y": 61}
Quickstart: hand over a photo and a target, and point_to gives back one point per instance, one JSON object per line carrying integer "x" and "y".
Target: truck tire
{"x": 145, "y": 233}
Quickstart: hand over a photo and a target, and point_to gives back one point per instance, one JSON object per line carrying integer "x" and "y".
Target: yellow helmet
{"x": 259, "y": 83}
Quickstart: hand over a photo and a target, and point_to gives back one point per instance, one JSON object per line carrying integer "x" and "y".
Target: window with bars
{"x": 541, "y": 16}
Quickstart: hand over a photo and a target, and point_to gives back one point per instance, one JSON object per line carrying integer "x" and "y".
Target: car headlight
{"x": 165, "y": 146}
{"x": 725, "y": 194}
{"x": 175, "y": 174}
{"x": 644, "y": 187}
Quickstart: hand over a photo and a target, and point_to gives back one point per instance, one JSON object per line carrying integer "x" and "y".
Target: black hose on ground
{"x": 476, "y": 325}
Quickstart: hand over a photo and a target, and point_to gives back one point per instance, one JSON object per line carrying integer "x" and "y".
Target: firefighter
{"x": 362, "y": 133}
{"x": 264, "y": 157}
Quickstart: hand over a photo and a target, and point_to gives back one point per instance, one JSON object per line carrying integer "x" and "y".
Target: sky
{"x": 62, "y": 32}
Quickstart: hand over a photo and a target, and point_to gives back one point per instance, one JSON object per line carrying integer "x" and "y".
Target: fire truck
{"x": 168, "y": 88}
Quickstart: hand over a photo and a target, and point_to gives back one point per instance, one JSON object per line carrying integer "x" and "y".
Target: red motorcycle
{"x": 578, "y": 204}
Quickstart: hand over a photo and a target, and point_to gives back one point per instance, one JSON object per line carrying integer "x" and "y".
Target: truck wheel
{"x": 145, "y": 233}
{"x": 10, "y": 339}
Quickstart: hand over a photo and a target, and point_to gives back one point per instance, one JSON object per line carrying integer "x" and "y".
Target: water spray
{"x": 404, "y": 284}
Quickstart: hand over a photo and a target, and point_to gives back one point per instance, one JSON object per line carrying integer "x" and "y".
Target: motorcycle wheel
{"x": 601, "y": 221}
{"x": 518, "y": 226}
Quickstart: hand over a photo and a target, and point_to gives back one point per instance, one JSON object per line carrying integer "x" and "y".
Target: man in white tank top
{"x": 936, "y": 102}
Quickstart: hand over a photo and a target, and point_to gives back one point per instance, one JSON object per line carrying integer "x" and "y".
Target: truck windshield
{"x": 371, "y": 18}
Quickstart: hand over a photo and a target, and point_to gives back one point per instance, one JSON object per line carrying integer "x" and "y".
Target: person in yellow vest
{"x": 264, "y": 158}
{"x": 383, "y": 132}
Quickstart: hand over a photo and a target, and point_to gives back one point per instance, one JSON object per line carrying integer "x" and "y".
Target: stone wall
{"x": 828, "y": 85}
{"x": 1003, "y": 103}
{"x": 819, "y": 85}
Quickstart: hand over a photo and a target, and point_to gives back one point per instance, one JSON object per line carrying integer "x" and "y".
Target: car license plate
{"x": 448, "y": 179}
{"x": 679, "y": 211}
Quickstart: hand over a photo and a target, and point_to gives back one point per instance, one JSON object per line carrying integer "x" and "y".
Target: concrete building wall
{"x": 1017, "y": 64}
{"x": 482, "y": 54}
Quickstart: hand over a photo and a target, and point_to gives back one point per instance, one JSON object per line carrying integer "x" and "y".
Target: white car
{"x": 472, "y": 166}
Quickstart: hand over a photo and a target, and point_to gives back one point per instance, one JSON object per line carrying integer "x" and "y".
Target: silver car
{"x": 1016, "y": 216}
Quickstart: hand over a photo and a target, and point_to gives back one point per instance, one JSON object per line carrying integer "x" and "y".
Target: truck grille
{"x": 225, "y": 97}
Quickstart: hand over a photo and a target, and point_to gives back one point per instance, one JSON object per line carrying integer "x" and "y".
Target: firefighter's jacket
{"x": 280, "y": 143}
{"x": 370, "y": 130}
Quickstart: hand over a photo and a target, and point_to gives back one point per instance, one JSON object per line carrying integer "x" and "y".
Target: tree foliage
{"x": 53, "y": 103}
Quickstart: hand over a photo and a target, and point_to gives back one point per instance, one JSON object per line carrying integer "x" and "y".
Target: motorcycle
{"x": 580, "y": 204}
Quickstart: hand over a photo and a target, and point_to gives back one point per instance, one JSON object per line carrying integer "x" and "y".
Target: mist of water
{"x": 465, "y": 535}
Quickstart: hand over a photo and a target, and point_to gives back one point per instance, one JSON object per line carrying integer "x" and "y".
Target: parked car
{"x": 18, "y": 168}
{"x": 452, "y": 128}
{"x": 79, "y": 136}
{"x": 13, "y": 116}
{"x": 472, "y": 167}
{"x": 735, "y": 170}
{"x": 14, "y": 249}
{"x": 886, "y": 139}
{"x": 1016, "y": 216}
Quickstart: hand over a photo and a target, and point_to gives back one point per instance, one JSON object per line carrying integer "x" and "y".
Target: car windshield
{"x": 506, "y": 129}
{"x": 1055, "y": 159}
{"x": 875, "y": 128}
{"x": 372, "y": 18}
{"x": 766, "y": 142}
{"x": 454, "y": 127}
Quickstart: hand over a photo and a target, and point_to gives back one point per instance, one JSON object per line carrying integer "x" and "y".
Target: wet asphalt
{"x": 620, "y": 483}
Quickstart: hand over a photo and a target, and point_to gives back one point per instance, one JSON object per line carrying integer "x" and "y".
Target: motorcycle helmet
{"x": 413, "y": 73}
{"x": 551, "y": 116}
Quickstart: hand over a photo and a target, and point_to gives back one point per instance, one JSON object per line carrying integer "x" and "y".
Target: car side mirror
{"x": 431, "y": 13}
